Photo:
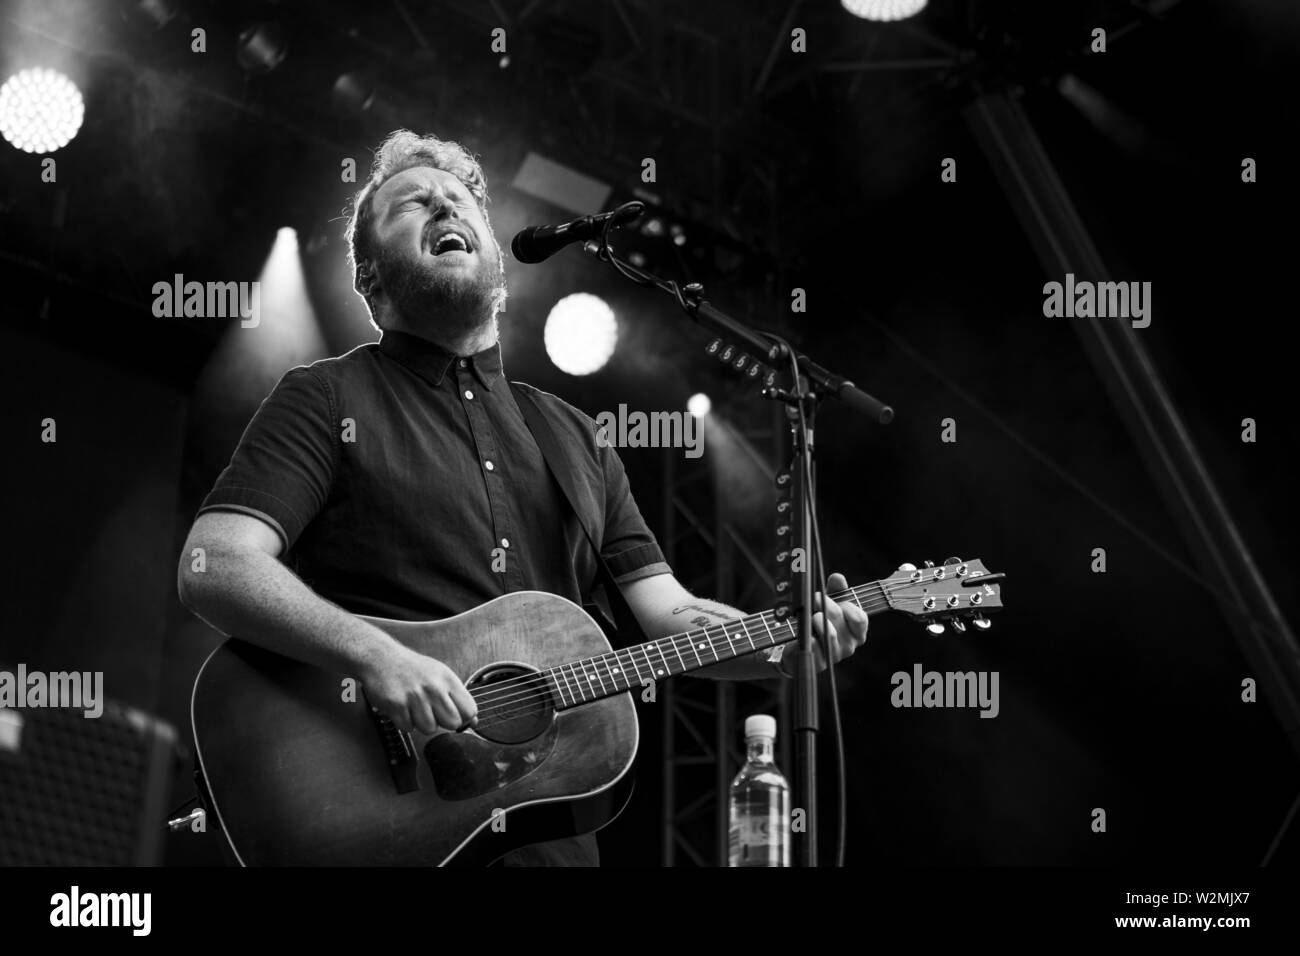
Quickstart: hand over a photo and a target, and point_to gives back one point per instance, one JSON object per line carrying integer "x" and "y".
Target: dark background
{"x": 1118, "y": 690}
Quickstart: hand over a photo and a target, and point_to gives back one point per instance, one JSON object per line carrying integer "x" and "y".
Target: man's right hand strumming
{"x": 418, "y": 692}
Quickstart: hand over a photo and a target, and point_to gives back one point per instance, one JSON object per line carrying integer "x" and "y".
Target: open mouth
{"x": 448, "y": 242}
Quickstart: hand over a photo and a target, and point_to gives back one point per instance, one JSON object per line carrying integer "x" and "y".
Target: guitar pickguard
{"x": 465, "y": 765}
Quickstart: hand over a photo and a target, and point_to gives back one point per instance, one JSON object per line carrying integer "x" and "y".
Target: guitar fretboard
{"x": 593, "y": 678}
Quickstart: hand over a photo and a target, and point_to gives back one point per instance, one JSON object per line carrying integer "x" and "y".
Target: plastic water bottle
{"x": 760, "y": 802}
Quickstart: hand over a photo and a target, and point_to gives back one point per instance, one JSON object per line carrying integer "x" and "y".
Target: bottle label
{"x": 758, "y": 840}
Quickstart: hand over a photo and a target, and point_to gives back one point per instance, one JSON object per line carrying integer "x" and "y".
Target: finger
{"x": 443, "y": 708}
{"x": 835, "y": 614}
{"x": 856, "y": 623}
{"x": 837, "y": 582}
{"x": 819, "y": 629}
{"x": 465, "y": 704}
{"x": 831, "y": 609}
{"x": 845, "y": 645}
{"x": 421, "y": 715}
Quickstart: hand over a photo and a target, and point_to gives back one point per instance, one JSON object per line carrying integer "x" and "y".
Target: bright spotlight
{"x": 40, "y": 110}
{"x": 884, "y": 10}
{"x": 699, "y": 405}
{"x": 580, "y": 333}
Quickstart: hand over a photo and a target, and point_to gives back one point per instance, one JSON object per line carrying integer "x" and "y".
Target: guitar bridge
{"x": 399, "y": 748}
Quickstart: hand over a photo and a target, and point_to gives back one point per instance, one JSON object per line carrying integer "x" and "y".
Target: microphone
{"x": 538, "y": 243}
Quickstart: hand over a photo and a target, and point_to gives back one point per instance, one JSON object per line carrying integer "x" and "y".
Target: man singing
{"x": 303, "y": 530}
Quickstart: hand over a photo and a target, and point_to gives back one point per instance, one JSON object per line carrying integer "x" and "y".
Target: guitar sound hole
{"x": 514, "y": 703}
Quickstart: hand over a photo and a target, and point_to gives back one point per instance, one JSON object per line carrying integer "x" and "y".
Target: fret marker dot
{"x": 660, "y": 672}
{"x": 613, "y": 670}
{"x": 700, "y": 645}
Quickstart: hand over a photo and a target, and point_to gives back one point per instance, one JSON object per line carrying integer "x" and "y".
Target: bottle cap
{"x": 760, "y": 725}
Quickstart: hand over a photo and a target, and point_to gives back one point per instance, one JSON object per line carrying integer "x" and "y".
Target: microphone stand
{"x": 809, "y": 384}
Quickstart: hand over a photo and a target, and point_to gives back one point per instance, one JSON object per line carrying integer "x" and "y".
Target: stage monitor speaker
{"x": 80, "y": 791}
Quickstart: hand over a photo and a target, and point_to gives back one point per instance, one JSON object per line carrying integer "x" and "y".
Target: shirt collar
{"x": 431, "y": 361}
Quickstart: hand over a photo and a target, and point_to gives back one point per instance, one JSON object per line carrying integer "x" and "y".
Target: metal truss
{"x": 702, "y": 747}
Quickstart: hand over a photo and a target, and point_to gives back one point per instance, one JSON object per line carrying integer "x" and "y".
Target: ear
{"x": 363, "y": 280}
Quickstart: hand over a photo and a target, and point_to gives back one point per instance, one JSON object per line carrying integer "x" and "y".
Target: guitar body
{"x": 299, "y": 775}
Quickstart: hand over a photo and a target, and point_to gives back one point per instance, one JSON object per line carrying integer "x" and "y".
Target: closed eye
{"x": 424, "y": 198}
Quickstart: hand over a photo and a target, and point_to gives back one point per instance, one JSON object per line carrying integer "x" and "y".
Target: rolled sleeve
{"x": 283, "y": 468}
{"x": 628, "y": 547}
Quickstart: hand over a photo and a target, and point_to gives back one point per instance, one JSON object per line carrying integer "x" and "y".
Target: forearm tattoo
{"x": 704, "y": 614}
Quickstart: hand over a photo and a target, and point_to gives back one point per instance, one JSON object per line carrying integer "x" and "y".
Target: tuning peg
{"x": 935, "y": 629}
{"x": 952, "y": 561}
{"x": 959, "y": 626}
{"x": 982, "y": 623}
{"x": 929, "y": 564}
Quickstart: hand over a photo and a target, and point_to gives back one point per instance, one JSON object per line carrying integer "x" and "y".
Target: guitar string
{"x": 687, "y": 639}
{"x": 496, "y": 708}
{"x": 531, "y": 683}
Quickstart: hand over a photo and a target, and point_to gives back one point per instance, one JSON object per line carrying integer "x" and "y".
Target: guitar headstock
{"x": 949, "y": 594}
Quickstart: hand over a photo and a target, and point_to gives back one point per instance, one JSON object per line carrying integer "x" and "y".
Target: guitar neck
{"x": 595, "y": 678}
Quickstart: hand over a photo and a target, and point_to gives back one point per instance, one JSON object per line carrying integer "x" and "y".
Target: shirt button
{"x": 468, "y": 393}
{"x": 505, "y": 542}
{"x": 463, "y": 362}
{"x": 488, "y": 465}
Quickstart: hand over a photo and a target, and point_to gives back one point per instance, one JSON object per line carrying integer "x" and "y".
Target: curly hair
{"x": 403, "y": 150}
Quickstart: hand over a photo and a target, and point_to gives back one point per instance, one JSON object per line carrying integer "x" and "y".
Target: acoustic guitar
{"x": 300, "y": 770}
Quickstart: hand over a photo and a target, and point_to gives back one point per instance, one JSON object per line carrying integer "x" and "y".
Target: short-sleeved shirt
{"x": 398, "y": 476}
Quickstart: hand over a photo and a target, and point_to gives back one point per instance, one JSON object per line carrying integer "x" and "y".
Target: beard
{"x": 427, "y": 296}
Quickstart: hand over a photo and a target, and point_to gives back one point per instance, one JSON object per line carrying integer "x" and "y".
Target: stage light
{"x": 1121, "y": 127}
{"x": 580, "y": 333}
{"x": 884, "y": 10}
{"x": 261, "y": 47}
{"x": 354, "y": 92}
{"x": 678, "y": 234}
{"x": 699, "y": 405}
{"x": 249, "y": 360}
{"x": 560, "y": 185}
{"x": 40, "y": 110}
{"x": 161, "y": 12}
